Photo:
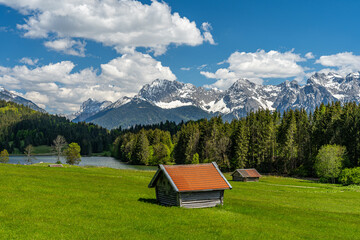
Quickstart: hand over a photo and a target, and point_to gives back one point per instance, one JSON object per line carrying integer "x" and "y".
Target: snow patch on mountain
{"x": 217, "y": 107}
{"x": 173, "y": 104}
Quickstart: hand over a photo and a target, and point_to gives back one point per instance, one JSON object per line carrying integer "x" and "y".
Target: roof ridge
{"x": 186, "y": 165}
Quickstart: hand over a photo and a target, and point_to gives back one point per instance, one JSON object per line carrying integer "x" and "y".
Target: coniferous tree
{"x": 240, "y": 144}
{"x": 141, "y": 153}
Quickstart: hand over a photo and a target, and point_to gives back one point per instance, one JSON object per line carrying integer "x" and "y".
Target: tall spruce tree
{"x": 240, "y": 144}
{"x": 140, "y": 153}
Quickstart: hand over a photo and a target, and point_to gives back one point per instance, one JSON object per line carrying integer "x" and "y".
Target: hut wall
{"x": 237, "y": 177}
{"x": 201, "y": 199}
{"x": 165, "y": 194}
{"x": 252, "y": 179}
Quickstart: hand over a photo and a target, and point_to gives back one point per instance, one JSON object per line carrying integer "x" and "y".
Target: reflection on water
{"x": 85, "y": 161}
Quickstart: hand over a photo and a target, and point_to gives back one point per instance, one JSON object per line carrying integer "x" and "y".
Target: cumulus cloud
{"x": 342, "y": 63}
{"x": 67, "y": 46}
{"x": 60, "y": 90}
{"x": 309, "y": 55}
{"x": 124, "y": 25}
{"x": 29, "y": 61}
{"x": 255, "y": 66}
{"x": 133, "y": 71}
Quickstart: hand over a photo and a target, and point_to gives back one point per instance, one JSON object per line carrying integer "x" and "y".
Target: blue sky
{"x": 59, "y": 53}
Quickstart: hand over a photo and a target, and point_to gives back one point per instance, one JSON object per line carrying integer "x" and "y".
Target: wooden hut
{"x": 189, "y": 186}
{"x": 246, "y": 175}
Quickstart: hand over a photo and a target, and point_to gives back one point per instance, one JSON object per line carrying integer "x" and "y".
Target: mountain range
{"x": 12, "y": 97}
{"x": 164, "y": 100}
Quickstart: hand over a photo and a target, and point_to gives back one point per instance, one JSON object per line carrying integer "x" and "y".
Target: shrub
{"x": 4, "y": 156}
{"x": 350, "y": 176}
{"x": 72, "y": 154}
{"x": 329, "y": 161}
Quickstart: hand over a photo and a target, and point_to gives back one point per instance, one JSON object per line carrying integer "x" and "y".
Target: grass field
{"x": 38, "y": 202}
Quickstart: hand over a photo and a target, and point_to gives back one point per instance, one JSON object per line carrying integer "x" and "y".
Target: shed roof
{"x": 193, "y": 177}
{"x": 248, "y": 172}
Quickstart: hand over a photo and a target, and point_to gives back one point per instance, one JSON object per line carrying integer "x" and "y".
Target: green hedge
{"x": 350, "y": 176}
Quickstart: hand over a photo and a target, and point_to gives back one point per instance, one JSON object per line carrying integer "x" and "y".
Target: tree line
{"x": 272, "y": 142}
{"x": 21, "y": 126}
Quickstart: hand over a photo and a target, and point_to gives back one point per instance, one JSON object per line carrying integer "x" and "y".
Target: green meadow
{"x": 37, "y": 202}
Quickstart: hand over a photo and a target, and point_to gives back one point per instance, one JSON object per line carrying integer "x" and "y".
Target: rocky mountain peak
{"x": 241, "y": 84}
{"x": 12, "y": 97}
{"x": 352, "y": 77}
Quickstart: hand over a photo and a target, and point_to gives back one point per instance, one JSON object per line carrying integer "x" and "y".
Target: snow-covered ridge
{"x": 119, "y": 103}
{"x": 244, "y": 96}
{"x": 13, "y": 97}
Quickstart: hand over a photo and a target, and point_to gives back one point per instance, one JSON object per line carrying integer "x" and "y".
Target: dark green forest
{"x": 21, "y": 126}
{"x": 272, "y": 142}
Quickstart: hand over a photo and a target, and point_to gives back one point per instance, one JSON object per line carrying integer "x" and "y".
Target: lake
{"x": 85, "y": 161}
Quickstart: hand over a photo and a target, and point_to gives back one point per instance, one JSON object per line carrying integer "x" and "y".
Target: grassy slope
{"x": 101, "y": 203}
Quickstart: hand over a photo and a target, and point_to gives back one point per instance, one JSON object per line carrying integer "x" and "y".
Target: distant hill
{"x": 20, "y": 126}
{"x": 142, "y": 112}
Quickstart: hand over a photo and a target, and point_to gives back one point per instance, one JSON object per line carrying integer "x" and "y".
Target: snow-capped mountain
{"x": 11, "y": 97}
{"x": 89, "y": 108}
{"x": 242, "y": 97}
{"x": 172, "y": 94}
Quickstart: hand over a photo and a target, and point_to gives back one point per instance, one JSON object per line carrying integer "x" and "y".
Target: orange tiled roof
{"x": 197, "y": 177}
{"x": 248, "y": 172}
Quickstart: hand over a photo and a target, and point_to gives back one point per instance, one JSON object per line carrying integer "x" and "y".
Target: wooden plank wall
{"x": 201, "y": 199}
{"x": 165, "y": 194}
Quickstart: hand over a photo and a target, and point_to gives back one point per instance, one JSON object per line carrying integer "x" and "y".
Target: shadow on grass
{"x": 148, "y": 200}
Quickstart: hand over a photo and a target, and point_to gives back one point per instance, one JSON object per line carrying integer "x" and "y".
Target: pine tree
{"x": 140, "y": 153}
{"x": 240, "y": 144}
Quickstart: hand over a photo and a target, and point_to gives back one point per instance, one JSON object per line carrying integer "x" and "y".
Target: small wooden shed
{"x": 189, "y": 186}
{"x": 246, "y": 175}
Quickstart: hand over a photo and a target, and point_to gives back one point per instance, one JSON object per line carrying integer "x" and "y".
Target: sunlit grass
{"x": 38, "y": 202}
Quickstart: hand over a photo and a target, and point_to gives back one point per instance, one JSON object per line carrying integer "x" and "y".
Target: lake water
{"x": 85, "y": 161}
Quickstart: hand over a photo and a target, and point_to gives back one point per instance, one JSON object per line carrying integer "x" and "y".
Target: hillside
{"x": 12, "y": 97}
{"x": 100, "y": 203}
{"x": 21, "y": 126}
{"x": 144, "y": 113}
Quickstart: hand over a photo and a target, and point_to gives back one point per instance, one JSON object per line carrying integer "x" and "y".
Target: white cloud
{"x": 309, "y": 55}
{"x": 29, "y": 61}
{"x": 68, "y": 46}
{"x": 207, "y": 35}
{"x": 133, "y": 71}
{"x": 257, "y": 65}
{"x": 59, "y": 89}
{"x": 342, "y": 63}
{"x": 185, "y": 68}
{"x": 124, "y": 25}
{"x": 201, "y": 66}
